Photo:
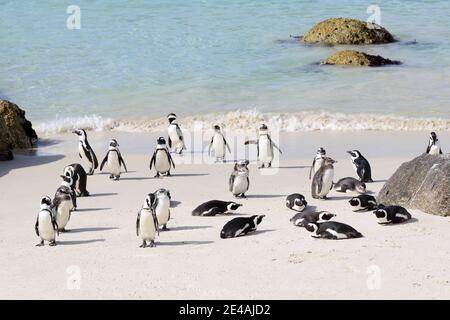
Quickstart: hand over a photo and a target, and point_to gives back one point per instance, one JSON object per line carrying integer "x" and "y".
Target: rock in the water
{"x": 356, "y": 58}
{"x": 347, "y": 31}
{"x": 6, "y": 144}
{"x": 422, "y": 183}
{"x": 20, "y": 129}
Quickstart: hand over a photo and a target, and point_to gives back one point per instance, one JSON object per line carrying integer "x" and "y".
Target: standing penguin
{"x": 162, "y": 207}
{"x": 239, "y": 179}
{"x": 265, "y": 146}
{"x": 114, "y": 159}
{"x": 161, "y": 159}
{"x": 317, "y": 162}
{"x": 434, "y": 146}
{"x": 85, "y": 151}
{"x": 147, "y": 223}
{"x": 175, "y": 136}
{"x": 323, "y": 179}
{"x": 46, "y": 227}
{"x": 218, "y": 145}
{"x": 361, "y": 166}
{"x": 64, "y": 203}
{"x": 79, "y": 179}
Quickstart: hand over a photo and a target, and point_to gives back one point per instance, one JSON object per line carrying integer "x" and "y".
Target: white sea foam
{"x": 242, "y": 121}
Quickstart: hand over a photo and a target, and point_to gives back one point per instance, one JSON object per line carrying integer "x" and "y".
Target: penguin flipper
{"x": 95, "y": 159}
{"x": 231, "y": 182}
{"x": 428, "y": 148}
{"x": 121, "y": 161}
{"x": 138, "y": 221}
{"x": 152, "y": 160}
{"x": 170, "y": 159}
{"x": 169, "y": 141}
{"x": 226, "y": 144}
{"x": 312, "y": 168}
{"x": 36, "y": 226}
{"x": 103, "y": 162}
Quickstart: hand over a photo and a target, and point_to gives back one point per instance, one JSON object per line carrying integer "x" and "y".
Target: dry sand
{"x": 100, "y": 258}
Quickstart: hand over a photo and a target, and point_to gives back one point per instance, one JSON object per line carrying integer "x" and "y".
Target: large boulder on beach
{"x": 6, "y": 144}
{"x": 422, "y": 183}
{"x": 356, "y": 58}
{"x": 347, "y": 31}
{"x": 20, "y": 129}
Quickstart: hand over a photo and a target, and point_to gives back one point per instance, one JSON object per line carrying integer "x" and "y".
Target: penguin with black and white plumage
{"x": 317, "y": 162}
{"x": 218, "y": 145}
{"x": 213, "y": 207}
{"x": 162, "y": 207}
{"x": 332, "y": 230}
{"x": 323, "y": 179}
{"x": 85, "y": 151}
{"x": 240, "y": 226}
{"x": 146, "y": 223}
{"x": 79, "y": 179}
{"x": 265, "y": 147}
{"x": 296, "y": 202}
{"x": 391, "y": 214}
{"x": 239, "y": 181}
{"x": 361, "y": 166}
{"x": 363, "y": 202}
{"x": 161, "y": 159}
{"x": 350, "y": 184}
{"x": 114, "y": 160}
{"x": 303, "y": 218}
{"x": 46, "y": 227}
{"x": 64, "y": 203}
{"x": 434, "y": 146}
{"x": 175, "y": 135}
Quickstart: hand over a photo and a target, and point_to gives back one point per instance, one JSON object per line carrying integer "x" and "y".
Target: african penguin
{"x": 46, "y": 227}
{"x": 79, "y": 177}
{"x": 361, "y": 166}
{"x": 363, "y": 202}
{"x": 63, "y": 203}
{"x": 162, "y": 207}
{"x": 161, "y": 159}
{"x": 218, "y": 145}
{"x": 317, "y": 162}
{"x": 239, "y": 181}
{"x": 332, "y": 230}
{"x": 296, "y": 202}
{"x": 302, "y": 218}
{"x": 114, "y": 160}
{"x": 350, "y": 184}
{"x": 391, "y": 214}
{"x": 213, "y": 207}
{"x": 146, "y": 222}
{"x": 175, "y": 136}
{"x": 85, "y": 151}
{"x": 265, "y": 146}
{"x": 240, "y": 226}
{"x": 434, "y": 146}
{"x": 323, "y": 179}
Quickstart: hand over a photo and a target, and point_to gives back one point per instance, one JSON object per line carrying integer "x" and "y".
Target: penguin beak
{"x": 349, "y": 152}
{"x": 62, "y": 176}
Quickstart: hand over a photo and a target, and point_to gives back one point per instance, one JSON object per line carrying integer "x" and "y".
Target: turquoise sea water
{"x": 142, "y": 59}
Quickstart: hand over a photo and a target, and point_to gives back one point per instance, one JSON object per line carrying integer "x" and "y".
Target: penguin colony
{"x": 55, "y": 214}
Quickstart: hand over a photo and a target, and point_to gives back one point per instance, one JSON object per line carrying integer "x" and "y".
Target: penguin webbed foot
{"x": 40, "y": 244}
{"x": 152, "y": 244}
{"x": 52, "y": 243}
{"x": 63, "y": 230}
{"x": 143, "y": 245}
{"x": 164, "y": 228}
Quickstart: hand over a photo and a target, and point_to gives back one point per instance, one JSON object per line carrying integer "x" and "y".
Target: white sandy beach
{"x": 279, "y": 261}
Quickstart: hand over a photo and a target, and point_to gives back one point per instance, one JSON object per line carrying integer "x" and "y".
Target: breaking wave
{"x": 250, "y": 119}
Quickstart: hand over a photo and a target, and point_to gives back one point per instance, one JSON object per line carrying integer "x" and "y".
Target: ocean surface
{"x": 232, "y": 62}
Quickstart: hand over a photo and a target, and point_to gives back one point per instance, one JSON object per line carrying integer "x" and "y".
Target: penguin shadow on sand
{"x": 92, "y": 209}
{"x": 77, "y": 242}
{"x": 78, "y": 230}
{"x": 105, "y": 194}
{"x": 182, "y": 243}
{"x": 188, "y": 174}
{"x": 264, "y": 196}
{"x": 257, "y": 232}
{"x": 184, "y": 228}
